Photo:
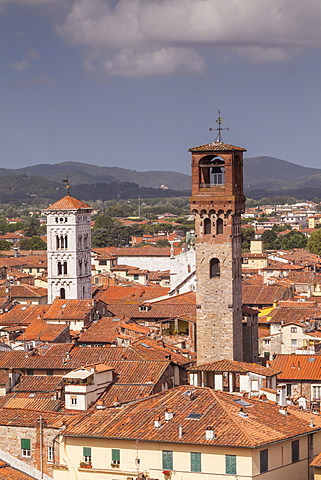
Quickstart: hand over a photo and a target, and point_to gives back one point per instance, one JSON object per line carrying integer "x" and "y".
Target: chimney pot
{"x": 180, "y": 431}
{"x": 168, "y": 414}
{"x": 157, "y": 422}
{"x": 209, "y": 433}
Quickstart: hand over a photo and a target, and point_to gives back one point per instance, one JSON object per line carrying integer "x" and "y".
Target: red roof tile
{"x": 69, "y": 203}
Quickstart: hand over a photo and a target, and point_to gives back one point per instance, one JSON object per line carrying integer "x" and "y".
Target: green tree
{"x": 293, "y": 239}
{"x": 33, "y": 243}
{"x": 314, "y": 242}
{"x": 31, "y": 227}
{"x": 162, "y": 242}
{"x": 270, "y": 240}
{"x": 248, "y": 234}
{"x": 106, "y": 222}
{"x": 5, "y": 245}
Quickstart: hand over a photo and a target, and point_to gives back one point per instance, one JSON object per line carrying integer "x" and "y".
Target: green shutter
{"x": 87, "y": 451}
{"x": 115, "y": 455}
{"x": 230, "y": 464}
{"x": 25, "y": 444}
{"x": 167, "y": 460}
{"x": 195, "y": 462}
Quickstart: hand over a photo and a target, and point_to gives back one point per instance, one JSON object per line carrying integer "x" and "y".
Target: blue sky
{"x": 135, "y": 83}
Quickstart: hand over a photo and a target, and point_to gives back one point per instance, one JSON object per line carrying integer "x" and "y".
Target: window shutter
{"x": 87, "y": 451}
{"x": 230, "y": 464}
{"x": 115, "y": 455}
{"x": 167, "y": 460}
{"x": 25, "y": 444}
{"x": 195, "y": 462}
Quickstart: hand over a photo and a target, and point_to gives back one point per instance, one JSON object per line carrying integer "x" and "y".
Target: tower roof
{"x": 216, "y": 147}
{"x": 68, "y": 203}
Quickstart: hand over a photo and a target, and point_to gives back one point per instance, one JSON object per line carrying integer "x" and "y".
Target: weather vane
{"x": 66, "y": 181}
{"x": 219, "y": 129}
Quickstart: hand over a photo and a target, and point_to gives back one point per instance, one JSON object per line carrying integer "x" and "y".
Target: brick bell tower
{"x": 217, "y": 202}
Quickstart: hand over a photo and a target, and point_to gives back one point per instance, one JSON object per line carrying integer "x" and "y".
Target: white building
{"x": 69, "y": 249}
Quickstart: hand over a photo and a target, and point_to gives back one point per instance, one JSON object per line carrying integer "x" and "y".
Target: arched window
{"x": 62, "y": 293}
{"x": 207, "y": 226}
{"x": 65, "y": 268}
{"x": 59, "y": 268}
{"x": 214, "y": 268}
{"x": 219, "y": 226}
{"x": 188, "y": 268}
{"x": 212, "y": 171}
{"x": 66, "y": 241}
{"x": 57, "y": 242}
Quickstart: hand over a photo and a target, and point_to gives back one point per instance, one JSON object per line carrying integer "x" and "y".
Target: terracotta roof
{"x": 69, "y": 203}
{"x": 25, "y": 418}
{"x": 10, "y": 473}
{"x": 30, "y": 401}
{"x": 298, "y": 313}
{"x": 23, "y": 314}
{"x": 298, "y": 367}
{"x": 102, "y": 331}
{"x": 182, "y": 299}
{"x": 263, "y": 425}
{"x": 317, "y": 461}
{"x": 263, "y": 294}
{"x": 126, "y": 393}
{"x": 40, "y": 330}
{"x": 38, "y": 383}
{"x": 234, "y": 366}
{"x": 147, "y": 251}
{"x": 69, "y": 309}
{"x": 156, "y": 311}
{"x": 216, "y": 147}
{"x": 132, "y": 294}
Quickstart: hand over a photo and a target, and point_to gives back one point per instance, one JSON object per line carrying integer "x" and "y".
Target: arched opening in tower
{"x": 215, "y": 270}
{"x": 207, "y": 226}
{"x": 212, "y": 172}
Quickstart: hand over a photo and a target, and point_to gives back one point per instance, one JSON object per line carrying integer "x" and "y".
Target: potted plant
{"x": 167, "y": 474}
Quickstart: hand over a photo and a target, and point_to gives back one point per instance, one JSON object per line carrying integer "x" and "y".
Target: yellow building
{"x": 190, "y": 433}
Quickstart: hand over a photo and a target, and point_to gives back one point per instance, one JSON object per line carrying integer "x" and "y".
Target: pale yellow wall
{"x": 150, "y": 455}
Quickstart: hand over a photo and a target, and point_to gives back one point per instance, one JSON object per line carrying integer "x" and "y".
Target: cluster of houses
{"x": 109, "y": 367}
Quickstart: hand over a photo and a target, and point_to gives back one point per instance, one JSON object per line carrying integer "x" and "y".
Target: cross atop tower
{"x": 219, "y": 129}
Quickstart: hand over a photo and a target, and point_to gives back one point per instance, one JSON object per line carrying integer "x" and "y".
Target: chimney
{"x": 116, "y": 402}
{"x": 180, "y": 431}
{"x": 283, "y": 410}
{"x": 168, "y": 414}
{"x": 311, "y": 422}
{"x": 100, "y": 405}
{"x": 209, "y": 433}
{"x": 157, "y": 422}
{"x": 243, "y": 413}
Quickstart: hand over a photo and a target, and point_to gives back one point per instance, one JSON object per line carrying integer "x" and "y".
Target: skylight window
{"x": 194, "y": 416}
{"x": 144, "y": 345}
{"x": 242, "y": 403}
{"x": 311, "y": 359}
{"x": 31, "y": 395}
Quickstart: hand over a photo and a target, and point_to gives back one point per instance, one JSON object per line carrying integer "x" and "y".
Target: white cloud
{"x": 20, "y": 66}
{"x": 164, "y": 37}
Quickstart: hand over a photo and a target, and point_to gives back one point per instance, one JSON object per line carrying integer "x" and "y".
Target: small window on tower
{"x": 62, "y": 293}
{"x": 207, "y": 226}
{"x": 219, "y": 226}
{"x": 215, "y": 268}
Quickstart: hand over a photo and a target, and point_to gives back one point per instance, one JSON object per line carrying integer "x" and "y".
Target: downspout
{"x": 41, "y": 445}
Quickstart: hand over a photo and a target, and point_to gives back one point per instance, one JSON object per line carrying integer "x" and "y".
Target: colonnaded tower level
{"x": 217, "y": 202}
{"x": 69, "y": 249}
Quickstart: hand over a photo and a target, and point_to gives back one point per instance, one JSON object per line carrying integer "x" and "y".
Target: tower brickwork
{"x": 69, "y": 249}
{"x": 217, "y": 203}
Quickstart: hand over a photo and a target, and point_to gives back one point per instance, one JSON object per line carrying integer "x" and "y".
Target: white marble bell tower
{"x": 69, "y": 249}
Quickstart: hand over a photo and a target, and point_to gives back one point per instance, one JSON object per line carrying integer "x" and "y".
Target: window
{"x": 59, "y": 268}
{"x": 136, "y": 276}
{"x": 73, "y": 400}
{"x": 230, "y": 464}
{"x": 316, "y": 392}
{"x": 264, "y": 461}
{"x": 295, "y": 451}
{"x": 207, "y": 226}
{"x": 294, "y": 329}
{"x": 49, "y": 372}
{"x": 30, "y": 371}
{"x": 65, "y": 268}
{"x": 167, "y": 459}
{"x": 115, "y": 456}
{"x": 266, "y": 342}
{"x": 87, "y": 454}
{"x": 219, "y": 226}
{"x": 294, "y": 342}
{"x": 50, "y": 454}
{"x": 288, "y": 389}
{"x": 196, "y": 462}
{"x": 62, "y": 293}
{"x": 25, "y": 447}
{"x": 214, "y": 268}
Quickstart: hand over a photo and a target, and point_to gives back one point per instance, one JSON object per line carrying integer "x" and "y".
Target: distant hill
{"x": 263, "y": 177}
{"x": 83, "y": 173}
{"x": 270, "y": 173}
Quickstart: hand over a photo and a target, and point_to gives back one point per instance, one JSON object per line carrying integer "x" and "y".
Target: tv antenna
{"x": 219, "y": 129}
